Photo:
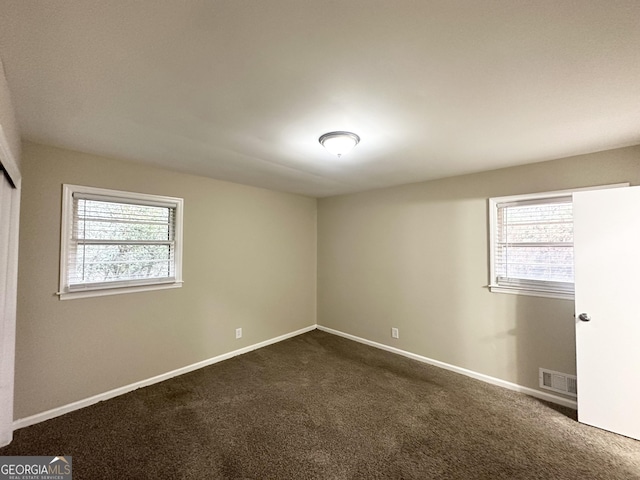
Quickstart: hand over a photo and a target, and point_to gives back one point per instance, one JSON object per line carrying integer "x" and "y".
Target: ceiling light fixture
{"x": 339, "y": 143}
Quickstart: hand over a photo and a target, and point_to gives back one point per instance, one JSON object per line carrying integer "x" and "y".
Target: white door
{"x": 607, "y": 282}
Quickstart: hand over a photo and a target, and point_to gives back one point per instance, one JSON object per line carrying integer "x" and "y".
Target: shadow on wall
{"x": 460, "y": 321}
{"x": 417, "y": 258}
{"x": 545, "y": 337}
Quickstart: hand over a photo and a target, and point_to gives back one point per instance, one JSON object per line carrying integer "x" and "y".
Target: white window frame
{"x": 531, "y": 288}
{"x": 118, "y": 287}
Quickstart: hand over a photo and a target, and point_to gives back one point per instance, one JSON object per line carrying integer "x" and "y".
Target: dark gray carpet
{"x": 320, "y": 406}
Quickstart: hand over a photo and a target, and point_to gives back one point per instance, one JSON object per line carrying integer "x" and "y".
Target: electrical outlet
{"x": 395, "y": 333}
{"x": 238, "y": 332}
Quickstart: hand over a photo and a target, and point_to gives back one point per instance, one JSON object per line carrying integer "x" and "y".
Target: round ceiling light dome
{"x": 339, "y": 143}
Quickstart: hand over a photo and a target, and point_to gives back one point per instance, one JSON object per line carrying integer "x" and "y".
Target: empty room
{"x": 319, "y": 240}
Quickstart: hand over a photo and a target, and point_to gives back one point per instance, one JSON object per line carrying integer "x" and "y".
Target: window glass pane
{"x": 105, "y": 263}
{"x": 534, "y": 241}
{"x": 97, "y": 220}
{"x": 535, "y": 263}
{"x": 537, "y": 223}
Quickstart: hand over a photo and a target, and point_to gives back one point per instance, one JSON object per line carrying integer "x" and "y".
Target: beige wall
{"x": 249, "y": 261}
{"x": 416, "y": 257}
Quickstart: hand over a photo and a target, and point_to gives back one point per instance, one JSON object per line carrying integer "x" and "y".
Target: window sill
{"x": 530, "y": 292}
{"x": 101, "y": 292}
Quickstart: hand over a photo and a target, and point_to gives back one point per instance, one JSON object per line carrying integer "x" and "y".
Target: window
{"x": 118, "y": 242}
{"x": 531, "y": 247}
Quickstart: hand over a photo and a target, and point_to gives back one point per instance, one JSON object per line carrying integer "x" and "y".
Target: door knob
{"x": 584, "y": 317}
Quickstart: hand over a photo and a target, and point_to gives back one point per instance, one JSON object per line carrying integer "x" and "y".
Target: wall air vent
{"x": 558, "y": 382}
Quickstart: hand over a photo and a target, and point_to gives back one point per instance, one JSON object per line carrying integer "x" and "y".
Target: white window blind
{"x": 534, "y": 244}
{"x": 116, "y": 240}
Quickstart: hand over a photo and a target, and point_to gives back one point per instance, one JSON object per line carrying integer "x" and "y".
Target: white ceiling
{"x": 241, "y": 90}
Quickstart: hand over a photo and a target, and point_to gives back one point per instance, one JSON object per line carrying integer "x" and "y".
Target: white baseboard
{"x": 56, "y": 412}
{"x": 469, "y": 373}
